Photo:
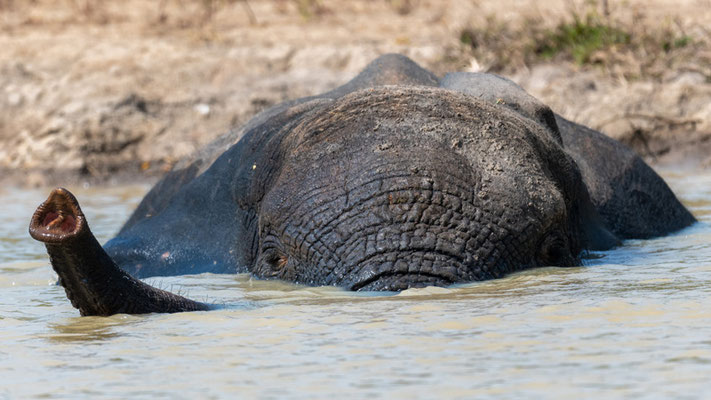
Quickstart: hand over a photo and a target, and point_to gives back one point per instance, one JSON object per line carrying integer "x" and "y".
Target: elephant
{"x": 397, "y": 179}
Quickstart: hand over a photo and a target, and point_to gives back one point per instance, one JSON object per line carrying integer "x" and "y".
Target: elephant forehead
{"x": 416, "y": 141}
{"x": 418, "y": 128}
{"x": 398, "y": 121}
{"x": 412, "y": 177}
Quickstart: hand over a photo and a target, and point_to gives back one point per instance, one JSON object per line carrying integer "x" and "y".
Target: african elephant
{"x": 396, "y": 179}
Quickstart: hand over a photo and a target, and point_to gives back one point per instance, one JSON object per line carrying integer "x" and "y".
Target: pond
{"x": 633, "y": 322}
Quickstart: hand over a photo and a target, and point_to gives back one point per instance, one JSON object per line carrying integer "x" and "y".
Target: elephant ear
{"x": 633, "y": 201}
{"x": 506, "y": 93}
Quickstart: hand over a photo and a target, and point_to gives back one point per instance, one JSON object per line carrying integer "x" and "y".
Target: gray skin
{"x": 395, "y": 180}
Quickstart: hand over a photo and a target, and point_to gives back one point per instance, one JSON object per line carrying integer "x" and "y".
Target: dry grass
{"x": 589, "y": 34}
{"x": 632, "y": 49}
{"x": 190, "y": 13}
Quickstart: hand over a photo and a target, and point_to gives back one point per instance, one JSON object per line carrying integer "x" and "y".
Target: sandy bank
{"x": 95, "y": 92}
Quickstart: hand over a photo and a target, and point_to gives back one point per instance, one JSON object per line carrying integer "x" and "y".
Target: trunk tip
{"x": 57, "y": 219}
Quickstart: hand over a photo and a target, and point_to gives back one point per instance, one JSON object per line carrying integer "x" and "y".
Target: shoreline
{"x": 677, "y": 161}
{"x": 118, "y": 94}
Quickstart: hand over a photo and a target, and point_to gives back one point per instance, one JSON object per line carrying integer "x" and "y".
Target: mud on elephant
{"x": 394, "y": 180}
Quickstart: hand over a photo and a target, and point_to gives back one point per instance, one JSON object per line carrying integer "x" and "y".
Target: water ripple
{"x": 633, "y": 322}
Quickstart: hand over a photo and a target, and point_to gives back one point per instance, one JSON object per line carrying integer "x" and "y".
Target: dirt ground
{"x": 112, "y": 91}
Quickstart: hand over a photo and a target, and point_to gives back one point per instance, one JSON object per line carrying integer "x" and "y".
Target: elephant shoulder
{"x": 631, "y": 198}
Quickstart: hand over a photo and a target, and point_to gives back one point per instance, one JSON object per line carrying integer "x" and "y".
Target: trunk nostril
{"x": 59, "y": 221}
{"x": 68, "y": 224}
{"x": 51, "y": 219}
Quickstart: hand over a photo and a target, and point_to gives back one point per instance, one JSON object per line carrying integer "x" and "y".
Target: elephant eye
{"x": 277, "y": 260}
{"x": 274, "y": 260}
{"x": 554, "y": 250}
{"x": 272, "y": 263}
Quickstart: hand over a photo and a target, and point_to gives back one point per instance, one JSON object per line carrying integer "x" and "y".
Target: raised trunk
{"x": 93, "y": 282}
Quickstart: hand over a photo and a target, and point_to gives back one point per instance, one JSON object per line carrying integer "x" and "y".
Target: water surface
{"x": 634, "y": 322}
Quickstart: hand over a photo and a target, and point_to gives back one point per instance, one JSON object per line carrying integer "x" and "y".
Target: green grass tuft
{"x": 580, "y": 39}
{"x": 676, "y": 43}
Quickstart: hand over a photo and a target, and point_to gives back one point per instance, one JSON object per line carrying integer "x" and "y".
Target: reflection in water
{"x": 633, "y": 322}
{"x": 91, "y": 329}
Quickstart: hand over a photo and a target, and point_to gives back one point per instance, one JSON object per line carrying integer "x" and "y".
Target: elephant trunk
{"x": 93, "y": 282}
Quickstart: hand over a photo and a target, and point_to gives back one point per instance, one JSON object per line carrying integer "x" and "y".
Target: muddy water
{"x": 634, "y": 322}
